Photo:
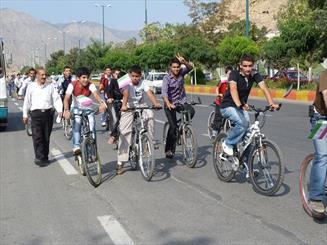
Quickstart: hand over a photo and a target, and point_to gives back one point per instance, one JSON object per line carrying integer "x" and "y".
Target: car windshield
{"x": 293, "y": 75}
{"x": 158, "y": 76}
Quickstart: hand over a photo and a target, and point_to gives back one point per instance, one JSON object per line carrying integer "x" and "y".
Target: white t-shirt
{"x": 136, "y": 93}
{"x": 70, "y": 89}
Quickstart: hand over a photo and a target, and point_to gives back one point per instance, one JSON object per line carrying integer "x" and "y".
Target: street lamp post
{"x": 247, "y": 21}
{"x": 64, "y": 39}
{"x": 102, "y": 6}
{"x": 79, "y": 31}
{"x": 145, "y": 13}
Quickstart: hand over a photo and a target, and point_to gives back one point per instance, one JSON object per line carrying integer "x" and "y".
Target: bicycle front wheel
{"x": 190, "y": 146}
{"x": 146, "y": 158}
{"x": 68, "y": 129}
{"x": 210, "y": 122}
{"x": 304, "y": 186}
{"x": 266, "y": 168}
{"x": 91, "y": 161}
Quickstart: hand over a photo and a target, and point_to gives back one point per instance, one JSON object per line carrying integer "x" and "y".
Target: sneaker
{"x": 317, "y": 206}
{"x": 255, "y": 172}
{"x": 155, "y": 144}
{"x": 214, "y": 133}
{"x": 228, "y": 150}
{"x": 119, "y": 169}
{"x": 103, "y": 124}
{"x": 169, "y": 154}
{"x": 76, "y": 151}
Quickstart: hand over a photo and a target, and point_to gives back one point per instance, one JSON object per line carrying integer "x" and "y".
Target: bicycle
{"x": 304, "y": 182}
{"x": 88, "y": 161}
{"x": 261, "y": 174}
{"x": 67, "y": 127}
{"x": 141, "y": 153}
{"x": 185, "y": 135}
{"x": 28, "y": 125}
{"x": 226, "y": 125}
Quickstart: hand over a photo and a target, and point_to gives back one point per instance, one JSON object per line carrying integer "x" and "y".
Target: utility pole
{"x": 145, "y": 13}
{"x": 247, "y": 21}
{"x": 102, "y": 6}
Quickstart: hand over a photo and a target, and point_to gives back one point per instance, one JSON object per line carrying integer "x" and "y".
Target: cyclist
{"x": 319, "y": 166}
{"x": 18, "y": 82}
{"x": 133, "y": 95}
{"x": 234, "y": 105}
{"x": 81, "y": 86}
{"x": 173, "y": 92}
{"x": 104, "y": 82}
{"x": 31, "y": 78}
{"x": 221, "y": 88}
{"x": 64, "y": 81}
{"x": 114, "y": 95}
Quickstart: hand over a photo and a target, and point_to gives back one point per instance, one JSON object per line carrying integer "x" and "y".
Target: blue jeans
{"x": 104, "y": 115}
{"x": 240, "y": 119}
{"x": 77, "y": 126}
{"x": 319, "y": 164}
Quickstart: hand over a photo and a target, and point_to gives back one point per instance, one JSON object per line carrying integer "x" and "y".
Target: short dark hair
{"x": 136, "y": 69}
{"x": 108, "y": 67}
{"x": 31, "y": 69}
{"x": 247, "y": 57}
{"x": 228, "y": 68}
{"x": 83, "y": 71}
{"x": 67, "y": 67}
{"x": 175, "y": 61}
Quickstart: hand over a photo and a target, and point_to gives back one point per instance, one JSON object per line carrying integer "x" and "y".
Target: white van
{"x": 3, "y": 90}
{"x": 154, "y": 80}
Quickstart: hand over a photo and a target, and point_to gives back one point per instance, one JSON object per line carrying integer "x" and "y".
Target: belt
{"x": 43, "y": 110}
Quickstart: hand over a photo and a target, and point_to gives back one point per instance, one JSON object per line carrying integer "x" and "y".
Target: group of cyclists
{"x": 231, "y": 103}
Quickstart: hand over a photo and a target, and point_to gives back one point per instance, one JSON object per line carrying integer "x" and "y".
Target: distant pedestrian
{"x": 41, "y": 99}
{"x": 104, "y": 82}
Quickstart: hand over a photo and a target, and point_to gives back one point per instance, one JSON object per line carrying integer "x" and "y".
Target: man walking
{"x": 41, "y": 99}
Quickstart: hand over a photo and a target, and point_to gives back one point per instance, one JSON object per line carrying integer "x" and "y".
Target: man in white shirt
{"x": 18, "y": 82}
{"x": 41, "y": 99}
{"x": 133, "y": 95}
{"x": 31, "y": 78}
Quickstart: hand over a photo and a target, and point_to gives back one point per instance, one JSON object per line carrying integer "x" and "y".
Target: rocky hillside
{"x": 27, "y": 38}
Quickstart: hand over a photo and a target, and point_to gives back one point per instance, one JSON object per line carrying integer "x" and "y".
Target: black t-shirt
{"x": 112, "y": 90}
{"x": 244, "y": 86}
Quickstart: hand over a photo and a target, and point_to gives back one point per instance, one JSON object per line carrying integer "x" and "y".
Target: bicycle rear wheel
{"x": 190, "y": 146}
{"x": 28, "y": 126}
{"x": 304, "y": 186}
{"x": 222, "y": 167}
{"x": 146, "y": 159}
{"x": 226, "y": 125}
{"x": 210, "y": 122}
{"x": 68, "y": 129}
{"x": 266, "y": 168}
{"x": 91, "y": 161}
{"x": 81, "y": 165}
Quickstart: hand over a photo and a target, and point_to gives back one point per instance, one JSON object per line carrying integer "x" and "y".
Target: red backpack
{"x": 81, "y": 91}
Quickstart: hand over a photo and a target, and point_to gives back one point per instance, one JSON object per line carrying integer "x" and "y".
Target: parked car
{"x": 154, "y": 79}
{"x": 95, "y": 77}
{"x": 290, "y": 76}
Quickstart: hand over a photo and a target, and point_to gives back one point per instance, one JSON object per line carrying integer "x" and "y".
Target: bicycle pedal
{"x": 223, "y": 157}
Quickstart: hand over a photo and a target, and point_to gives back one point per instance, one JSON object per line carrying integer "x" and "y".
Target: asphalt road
{"x": 56, "y": 205}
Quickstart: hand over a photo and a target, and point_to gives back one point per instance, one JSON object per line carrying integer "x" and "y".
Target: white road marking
{"x": 159, "y": 121}
{"x": 115, "y": 230}
{"x": 63, "y": 162}
{"x": 16, "y": 103}
{"x": 206, "y": 135}
{"x": 20, "y": 108}
{"x": 202, "y": 106}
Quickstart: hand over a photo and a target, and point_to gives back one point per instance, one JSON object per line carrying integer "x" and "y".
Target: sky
{"x": 122, "y": 15}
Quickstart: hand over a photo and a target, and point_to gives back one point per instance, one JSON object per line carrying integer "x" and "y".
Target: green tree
{"x": 275, "y": 52}
{"x": 231, "y": 49}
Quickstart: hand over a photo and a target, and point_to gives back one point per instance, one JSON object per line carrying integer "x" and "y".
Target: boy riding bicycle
{"x": 133, "y": 95}
{"x": 234, "y": 106}
{"x": 81, "y": 87}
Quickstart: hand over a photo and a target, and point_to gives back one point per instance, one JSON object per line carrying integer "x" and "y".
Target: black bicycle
{"x": 89, "y": 161}
{"x": 226, "y": 125}
{"x": 185, "y": 135}
{"x": 265, "y": 165}
{"x": 141, "y": 153}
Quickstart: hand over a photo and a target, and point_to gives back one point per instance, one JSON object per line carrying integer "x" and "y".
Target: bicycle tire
{"x": 68, "y": 129}
{"x": 28, "y": 127}
{"x": 221, "y": 166}
{"x": 275, "y": 184}
{"x": 80, "y": 164}
{"x": 192, "y": 144}
{"x": 91, "y": 161}
{"x": 226, "y": 125}
{"x": 304, "y": 192}
{"x": 210, "y": 122}
{"x": 164, "y": 136}
{"x": 145, "y": 145}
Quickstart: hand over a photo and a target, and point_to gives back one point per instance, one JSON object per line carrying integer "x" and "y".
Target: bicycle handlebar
{"x": 267, "y": 108}
{"x": 143, "y": 108}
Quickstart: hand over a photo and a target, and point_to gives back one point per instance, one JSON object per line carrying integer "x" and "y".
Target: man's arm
{"x": 125, "y": 100}
{"x": 27, "y": 104}
{"x": 234, "y": 94}
{"x": 153, "y": 99}
{"x": 57, "y": 102}
{"x": 164, "y": 93}
{"x": 266, "y": 92}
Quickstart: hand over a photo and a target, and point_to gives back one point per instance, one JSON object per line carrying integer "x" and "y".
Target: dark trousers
{"x": 218, "y": 120}
{"x": 172, "y": 132}
{"x": 42, "y": 122}
{"x": 116, "y": 107}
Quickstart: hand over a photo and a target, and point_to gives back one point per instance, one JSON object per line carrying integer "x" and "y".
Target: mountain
{"x": 28, "y": 39}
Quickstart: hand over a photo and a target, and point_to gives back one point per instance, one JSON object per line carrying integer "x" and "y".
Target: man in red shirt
{"x": 104, "y": 82}
{"x": 221, "y": 88}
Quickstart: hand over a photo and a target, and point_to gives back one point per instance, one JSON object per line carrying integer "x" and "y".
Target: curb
{"x": 307, "y": 96}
